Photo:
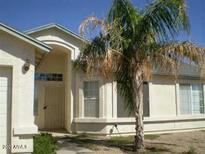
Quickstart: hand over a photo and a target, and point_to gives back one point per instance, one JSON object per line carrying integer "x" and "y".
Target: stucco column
{"x": 114, "y": 99}
{"x": 102, "y": 100}
{"x": 177, "y": 100}
{"x": 204, "y": 95}
{"x": 150, "y": 99}
{"x": 80, "y": 103}
{"x": 68, "y": 96}
{"x": 110, "y": 102}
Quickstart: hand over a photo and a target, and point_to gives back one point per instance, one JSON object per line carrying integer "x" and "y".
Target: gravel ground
{"x": 179, "y": 143}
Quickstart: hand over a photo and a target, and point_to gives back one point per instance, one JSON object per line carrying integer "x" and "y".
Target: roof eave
{"x": 25, "y": 38}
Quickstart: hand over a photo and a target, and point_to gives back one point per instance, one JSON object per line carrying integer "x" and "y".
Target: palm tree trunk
{"x": 138, "y": 102}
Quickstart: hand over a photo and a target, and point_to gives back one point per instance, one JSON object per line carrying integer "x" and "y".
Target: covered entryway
{"x": 54, "y": 70}
{"x": 52, "y": 90}
{"x": 5, "y": 109}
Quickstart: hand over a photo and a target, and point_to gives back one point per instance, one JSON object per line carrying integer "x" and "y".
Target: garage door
{"x": 5, "y": 105}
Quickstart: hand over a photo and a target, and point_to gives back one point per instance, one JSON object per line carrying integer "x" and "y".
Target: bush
{"x": 192, "y": 150}
{"x": 44, "y": 144}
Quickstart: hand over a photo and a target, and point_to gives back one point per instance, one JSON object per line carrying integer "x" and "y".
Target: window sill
{"x": 175, "y": 118}
{"x": 104, "y": 120}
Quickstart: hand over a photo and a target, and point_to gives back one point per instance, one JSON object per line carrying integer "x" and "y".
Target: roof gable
{"x": 24, "y": 37}
{"x": 59, "y": 27}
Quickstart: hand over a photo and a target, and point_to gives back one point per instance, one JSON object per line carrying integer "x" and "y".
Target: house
{"x": 40, "y": 89}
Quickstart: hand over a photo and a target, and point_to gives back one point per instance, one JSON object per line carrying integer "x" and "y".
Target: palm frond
{"x": 128, "y": 14}
{"x": 98, "y": 58}
{"x": 171, "y": 55}
{"x": 94, "y": 22}
{"x": 163, "y": 20}
{"x": 104, "y": 52}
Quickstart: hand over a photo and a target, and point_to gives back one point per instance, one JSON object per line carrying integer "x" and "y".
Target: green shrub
{"x": 192, "y": 150}
{"x": 44, "y": 144}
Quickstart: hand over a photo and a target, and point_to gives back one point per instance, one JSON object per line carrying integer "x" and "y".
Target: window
{"x": 191, "y": 99}
{"x": 48, "y": 77}
{"x": 91, "y": 98}
{"x": 197, "y": 99}
{"x": 124, "y": 112}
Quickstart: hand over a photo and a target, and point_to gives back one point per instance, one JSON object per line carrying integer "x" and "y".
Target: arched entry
{"x": 53, "y": 89}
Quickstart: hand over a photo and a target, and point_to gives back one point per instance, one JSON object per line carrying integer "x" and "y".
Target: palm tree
{"x": 132, "y": 42}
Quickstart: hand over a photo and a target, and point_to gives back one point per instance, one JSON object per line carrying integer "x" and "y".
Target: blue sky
{"x": 27, "y": 14}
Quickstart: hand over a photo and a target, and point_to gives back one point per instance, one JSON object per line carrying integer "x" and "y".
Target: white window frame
{"x": 97, "y": 99}
{"x": 202, "y": 97}
{"x": 190, "y": 86}
{"x": 80, "y": 101}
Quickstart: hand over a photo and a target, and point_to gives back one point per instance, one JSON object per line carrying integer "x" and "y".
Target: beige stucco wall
{"x": 161, "y": 100}
{"x": 13, "y": 54}
{"x": 151, "y": 125}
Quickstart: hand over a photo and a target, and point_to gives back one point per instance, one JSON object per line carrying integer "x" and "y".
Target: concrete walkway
{"x": 66, "y": 147}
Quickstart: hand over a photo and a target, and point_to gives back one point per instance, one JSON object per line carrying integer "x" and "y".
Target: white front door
{"x": 5, "y": 111}
{"x": 54, "y": 107}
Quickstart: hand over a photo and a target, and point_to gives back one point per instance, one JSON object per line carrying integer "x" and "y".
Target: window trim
{"x": 99, "y": 97}
{"x": 203, "y": 96}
